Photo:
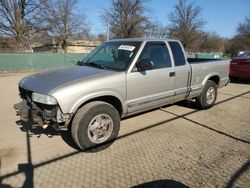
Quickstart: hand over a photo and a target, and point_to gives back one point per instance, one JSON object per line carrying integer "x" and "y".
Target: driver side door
{"x": 154, "y": 87}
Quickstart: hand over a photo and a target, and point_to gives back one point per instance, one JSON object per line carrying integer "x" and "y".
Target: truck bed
{"x": 201, "y": 60}
{"x": 201, "y": 70}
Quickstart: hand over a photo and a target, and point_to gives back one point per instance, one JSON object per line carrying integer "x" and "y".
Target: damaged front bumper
{"x": 22, "y": 110}
{"x": 42, "y": 115}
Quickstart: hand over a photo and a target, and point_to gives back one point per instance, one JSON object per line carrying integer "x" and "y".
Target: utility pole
{"x": 108, "y": 26}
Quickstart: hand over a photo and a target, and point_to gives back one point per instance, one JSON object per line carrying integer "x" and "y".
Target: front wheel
{"x": 94, "y": 124}
{"x": 208, "y": 96}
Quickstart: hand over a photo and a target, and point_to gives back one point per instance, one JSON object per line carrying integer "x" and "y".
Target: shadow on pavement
{"x": 244, "y": 168}
{"x": 207, "y": 127}
{"x": 229, "y": 94}
{"x": 188, "y": 104}
{"x": 161, "y": 184}
{"x": 49, "y": 132}
{"x": 28, "y": 168}
{"x": 241, "y": 81}
{"x": 4, "y": 186}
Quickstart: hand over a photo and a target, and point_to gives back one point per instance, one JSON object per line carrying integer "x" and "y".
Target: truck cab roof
{"x": 142, "y": 40}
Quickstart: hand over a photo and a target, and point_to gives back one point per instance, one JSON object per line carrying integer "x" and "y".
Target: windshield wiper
{"x": 93, "y": 64}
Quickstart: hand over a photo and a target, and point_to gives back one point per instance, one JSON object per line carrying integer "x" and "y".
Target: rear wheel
{"x": 208, "y": 96}
{"x": 94, "y": 124}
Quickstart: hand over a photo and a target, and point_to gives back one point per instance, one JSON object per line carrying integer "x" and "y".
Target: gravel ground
{"x": 176, "y": 146}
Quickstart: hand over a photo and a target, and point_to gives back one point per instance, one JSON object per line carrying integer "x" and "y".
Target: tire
{"x": 208, "y": 96}
{"x": 94, "y": 124}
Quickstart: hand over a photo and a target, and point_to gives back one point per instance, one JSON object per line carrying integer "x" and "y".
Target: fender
{"x": 95, "y": 94}
{"x": 210, "y": 76}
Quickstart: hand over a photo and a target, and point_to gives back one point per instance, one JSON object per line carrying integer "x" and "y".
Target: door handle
{"x": 171, "y": 74}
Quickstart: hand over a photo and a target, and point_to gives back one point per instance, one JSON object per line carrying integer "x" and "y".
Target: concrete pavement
{"x": 173, "y": 146}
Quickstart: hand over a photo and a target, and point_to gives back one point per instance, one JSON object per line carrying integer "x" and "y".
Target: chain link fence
{"x": 44, "y": 61}
{"x": 37, "y": 61}
{"x": 204, "y": 55}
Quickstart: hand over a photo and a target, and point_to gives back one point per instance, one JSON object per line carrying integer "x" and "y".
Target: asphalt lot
{"x": 177, "y": 146}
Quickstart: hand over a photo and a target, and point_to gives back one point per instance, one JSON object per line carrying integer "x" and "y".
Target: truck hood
{"x": 47, "y": 81}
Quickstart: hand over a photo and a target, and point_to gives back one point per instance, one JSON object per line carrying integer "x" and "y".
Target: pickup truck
{"x": 117, "y": 79}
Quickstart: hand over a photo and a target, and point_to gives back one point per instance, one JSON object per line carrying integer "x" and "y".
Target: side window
{"x": 157, "y": 53}
{"x": 179, "y": 58}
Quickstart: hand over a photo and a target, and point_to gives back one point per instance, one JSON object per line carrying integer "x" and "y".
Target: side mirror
{"x": 144, "y": 64}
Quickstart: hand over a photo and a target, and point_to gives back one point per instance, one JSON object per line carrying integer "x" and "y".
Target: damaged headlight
{"x": 44, "y": 99}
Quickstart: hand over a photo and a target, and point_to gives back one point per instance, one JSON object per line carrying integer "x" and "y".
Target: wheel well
{"x": 215, "y": 79}
{"x": 111, "y": 100}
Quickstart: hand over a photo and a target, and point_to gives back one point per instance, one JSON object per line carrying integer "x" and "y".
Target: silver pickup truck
{"x": 117, "y": 79}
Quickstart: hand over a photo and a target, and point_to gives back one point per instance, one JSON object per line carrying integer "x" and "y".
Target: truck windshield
{"x": 115, "y": 55}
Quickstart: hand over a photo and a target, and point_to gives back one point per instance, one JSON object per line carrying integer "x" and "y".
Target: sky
{"x": 222, "y": 16}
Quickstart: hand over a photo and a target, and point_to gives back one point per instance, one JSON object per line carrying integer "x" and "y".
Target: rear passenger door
{"x": 182, "y": 71}
{"x": 155, "y": 87}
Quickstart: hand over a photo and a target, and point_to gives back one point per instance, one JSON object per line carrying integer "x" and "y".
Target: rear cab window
{"x": 178, "y": 54}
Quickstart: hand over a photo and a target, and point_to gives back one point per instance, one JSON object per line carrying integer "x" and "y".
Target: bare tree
{"x": 236, "y": 44}
{"x": 101, "y": 37}
{"x": 241, "y": 41}
{"x": 18, "y": 19}
{"x": 211, "y": 42}
{"x": 63, "y": 21}
{"x": 127, "y": 18}
{"x": 244, "y": 27}
{"x": 157, "y": 31}
{"x": 186, "y": 23}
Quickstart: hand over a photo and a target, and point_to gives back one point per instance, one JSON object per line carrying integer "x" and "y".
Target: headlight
{"x": 44, "y": 99}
